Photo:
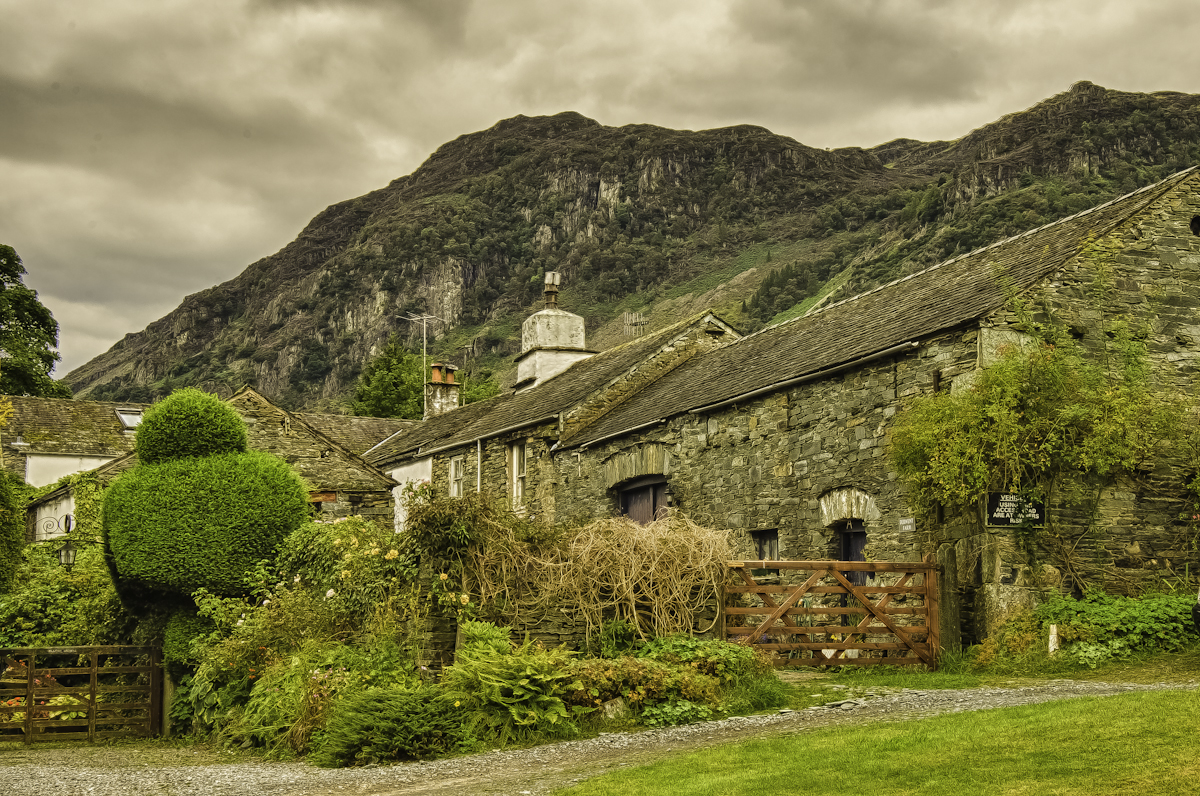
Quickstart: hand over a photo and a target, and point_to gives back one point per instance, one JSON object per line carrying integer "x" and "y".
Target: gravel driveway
{"x": 160, "y": 769}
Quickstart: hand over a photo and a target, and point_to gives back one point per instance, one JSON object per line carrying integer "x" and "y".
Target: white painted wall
{"x": 420, "y": 470}
{"x": 46, "y": 468}
{"x": 49, "y": 523}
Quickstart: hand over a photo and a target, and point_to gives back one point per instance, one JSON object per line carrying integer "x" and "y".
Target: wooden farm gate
{"x": 79, "y": 693}
{"x": 831, "y": 619}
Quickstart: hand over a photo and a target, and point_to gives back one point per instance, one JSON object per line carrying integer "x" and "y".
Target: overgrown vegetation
{"x": 1041, "y": 420}
{"x": 1094, "y": 630}
{"x": 659, "y": 578}
{"x": 328, "y": 655}
{"x": 12, "y": 529}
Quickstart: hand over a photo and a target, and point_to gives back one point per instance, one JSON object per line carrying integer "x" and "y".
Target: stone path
{"x": 160, "y": 770}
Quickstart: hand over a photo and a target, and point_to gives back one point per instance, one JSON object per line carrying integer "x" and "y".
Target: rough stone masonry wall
{"x": 1129, "y": 534}
{"x": 768, "y": 463}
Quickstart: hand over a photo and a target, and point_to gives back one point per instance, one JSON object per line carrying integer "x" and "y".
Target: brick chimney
{"x": 441, "y": 393}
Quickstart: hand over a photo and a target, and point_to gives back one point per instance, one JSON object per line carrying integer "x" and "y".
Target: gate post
{"x": 156, "y": 693}
{"x": 30, "y": 663}
{"x": 721, "y": 608}
{"x": 933, "y": 598}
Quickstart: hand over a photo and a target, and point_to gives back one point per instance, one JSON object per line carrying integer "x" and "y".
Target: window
{"x": 766, "y": 544}
{"x": 645, "y": 499}
{"x": 129, "y": 418}
{"x": 457, "y": 468}
{"x": 517, "y": 454}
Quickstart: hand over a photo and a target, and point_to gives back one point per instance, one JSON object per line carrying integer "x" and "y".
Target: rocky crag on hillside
{"x": 637, "y": 218}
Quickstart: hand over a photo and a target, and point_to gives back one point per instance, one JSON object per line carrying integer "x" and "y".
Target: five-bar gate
{"x": 79, "y": 693}
{"x": 887, "y": 615}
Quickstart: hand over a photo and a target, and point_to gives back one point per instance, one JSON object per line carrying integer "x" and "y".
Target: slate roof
{"x": 62, "y": 425}
{"x": 543, "y": 402}
{"x": 356, "y": 434}
{"x": 949, "y": 294}
{"x": 319, "y": 458}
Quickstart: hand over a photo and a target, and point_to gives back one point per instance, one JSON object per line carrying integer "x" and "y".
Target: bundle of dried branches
{"x": 660, "y": 577}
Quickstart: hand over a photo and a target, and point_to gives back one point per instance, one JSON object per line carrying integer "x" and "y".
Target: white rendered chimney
{"x": 551, "y": 340}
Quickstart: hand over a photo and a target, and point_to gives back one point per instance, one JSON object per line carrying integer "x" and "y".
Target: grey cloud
{"x": 184, "y": 141}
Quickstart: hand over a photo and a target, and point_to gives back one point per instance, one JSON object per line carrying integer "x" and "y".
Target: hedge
{"x": 182, "y": 628}
{"x": 189, "y": 423}
{"x": 12, "y": 531}
{"x": 185, "y": 524}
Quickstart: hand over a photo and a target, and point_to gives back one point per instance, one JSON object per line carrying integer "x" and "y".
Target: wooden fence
{"x": 829, "y": 619}
{"x": 79, "y": 693}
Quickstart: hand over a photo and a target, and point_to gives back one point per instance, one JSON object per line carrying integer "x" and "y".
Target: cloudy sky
{"x": 149, "y": 150}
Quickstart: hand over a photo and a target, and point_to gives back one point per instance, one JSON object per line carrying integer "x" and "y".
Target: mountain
{"x": 637, "y": 218}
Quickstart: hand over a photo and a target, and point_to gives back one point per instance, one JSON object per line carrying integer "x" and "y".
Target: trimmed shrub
{"x": 12, "y": 532}
{"x": 189, "y": 424}
{"x": 386, "y": 724}
{"x": 182, "y": 628}
{"x": 181, "y": 525}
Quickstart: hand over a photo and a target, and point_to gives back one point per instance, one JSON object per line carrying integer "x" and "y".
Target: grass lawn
{"x": 1144, "y": 743}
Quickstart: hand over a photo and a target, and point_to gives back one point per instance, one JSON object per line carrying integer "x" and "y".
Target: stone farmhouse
{"x": 782, "y": 436}
{"x": 324, "y": 449}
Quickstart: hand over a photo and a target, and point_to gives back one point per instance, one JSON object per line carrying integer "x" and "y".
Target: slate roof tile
{"x": 356, "y": 434}
{"x": 66, "y": 426}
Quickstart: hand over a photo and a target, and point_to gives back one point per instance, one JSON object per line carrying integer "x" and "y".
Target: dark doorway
{"x": 643, "y": 500}
{"x": 852, "y": 545}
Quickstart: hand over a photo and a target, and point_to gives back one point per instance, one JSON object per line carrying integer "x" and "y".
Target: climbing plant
{"x": 1038, "y": 422}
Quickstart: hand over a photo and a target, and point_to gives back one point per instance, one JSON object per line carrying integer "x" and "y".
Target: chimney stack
{"x": 551, "y": 340}
{"x": 441, "y": 392}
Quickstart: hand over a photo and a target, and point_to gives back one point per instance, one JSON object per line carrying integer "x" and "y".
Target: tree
{"x": 28, "y": 334}
{"x": 392, "y": 384}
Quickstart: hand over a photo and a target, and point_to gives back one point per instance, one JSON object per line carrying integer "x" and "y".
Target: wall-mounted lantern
{"x": 66, "y": 555}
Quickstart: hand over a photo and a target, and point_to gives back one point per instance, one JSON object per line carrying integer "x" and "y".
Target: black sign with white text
{"x": 1008, "y": 509}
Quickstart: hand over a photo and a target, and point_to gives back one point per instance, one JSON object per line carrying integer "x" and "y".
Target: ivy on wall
{"x": 1038, "y": 422}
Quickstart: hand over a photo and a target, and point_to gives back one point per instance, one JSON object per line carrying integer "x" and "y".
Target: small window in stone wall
{"x": 517, "y": 455}
{"x": 457, "y": 468}
{"x": 1195, "y": 225}
{"x": 644, "y": 500}
{"x": 765, "y": 544}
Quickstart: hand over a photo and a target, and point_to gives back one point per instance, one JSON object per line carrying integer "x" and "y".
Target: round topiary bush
{"x": 188, "y": 424}
{"x": 180, "y": 525}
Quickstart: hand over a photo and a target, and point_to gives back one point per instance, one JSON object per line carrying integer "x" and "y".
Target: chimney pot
{"x": 441, "y": 393}
{"x": 553, "y": 280}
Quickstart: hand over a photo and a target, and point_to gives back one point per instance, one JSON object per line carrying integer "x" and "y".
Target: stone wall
{"x": 805, "y": 459}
